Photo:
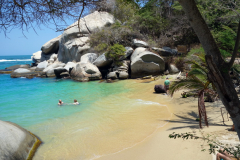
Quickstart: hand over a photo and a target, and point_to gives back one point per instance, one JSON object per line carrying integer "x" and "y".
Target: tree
{"x": 25, "y": 14}
{"x": 196, "y": 80}
{"x": 218, "y": 68}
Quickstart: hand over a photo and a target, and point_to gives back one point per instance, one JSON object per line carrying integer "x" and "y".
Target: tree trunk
{"x": 218, "y": 68}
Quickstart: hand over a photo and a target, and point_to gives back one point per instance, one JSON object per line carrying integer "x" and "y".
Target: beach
{"x": 184, "y": 113}
{"x": 120, "y": 120}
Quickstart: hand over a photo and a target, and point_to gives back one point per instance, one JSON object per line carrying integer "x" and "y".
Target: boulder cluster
{"x": 70, "y": 56}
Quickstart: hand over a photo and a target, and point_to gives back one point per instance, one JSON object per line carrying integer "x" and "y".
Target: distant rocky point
{"x": 70, "y": 56}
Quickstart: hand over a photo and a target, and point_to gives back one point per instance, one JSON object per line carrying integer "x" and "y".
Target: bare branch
{"x": 234, "y": 55}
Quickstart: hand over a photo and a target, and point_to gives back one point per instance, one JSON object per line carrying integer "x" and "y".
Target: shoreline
{"x": 115, "y": 119}
{"x": 184, "y": 112}
{"x": 156, "y": 145}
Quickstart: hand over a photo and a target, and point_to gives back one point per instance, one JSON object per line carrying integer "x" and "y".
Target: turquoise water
{"x": 111, "y": 117}
{"x": 31, "y": 101}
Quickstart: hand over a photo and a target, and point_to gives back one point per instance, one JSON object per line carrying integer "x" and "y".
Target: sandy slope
{"x": 159, "y": 147}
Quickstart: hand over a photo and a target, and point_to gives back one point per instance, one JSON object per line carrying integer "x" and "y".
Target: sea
{"x": 111, "y": 117}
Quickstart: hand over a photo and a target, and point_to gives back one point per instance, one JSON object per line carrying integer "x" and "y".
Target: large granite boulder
{"x": 159, "y": 89}
{"x": 89, "y": 57}
{"x": 123, "y": 75}
{"x": 49, "y": 71}
{"x": 40, "y": 57}
{"x": 41, "y": 66}
{"x": 112, "y": 75}
{"x": 73, "y": 44}
{"x": 146, "y": 63}
{"x": 16, "y": 142}
{"x": 23, "y": 72}
{"x": 70, "y": 65}
{"x": 36, "y": 57}
{"x": 139, "y": 43}
{"x": 51, "y": 46}
{"x": 128, "y": 53}
{"x": 18, "y": 66}
{"x": 137, "y": 51}
{"x": 85, "y": 72}
{"x": 102, "y": 61}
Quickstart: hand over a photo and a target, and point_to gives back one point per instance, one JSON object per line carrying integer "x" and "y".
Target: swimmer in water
{"x": 60, "y": 102}
{"x": 75, "y": 102}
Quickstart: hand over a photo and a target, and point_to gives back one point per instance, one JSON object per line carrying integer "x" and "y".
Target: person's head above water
{"x": 75, "y": 100}
{"x": 60, "y": 102}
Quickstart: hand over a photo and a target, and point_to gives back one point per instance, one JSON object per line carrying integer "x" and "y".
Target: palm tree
{"x": 197, "y": 80}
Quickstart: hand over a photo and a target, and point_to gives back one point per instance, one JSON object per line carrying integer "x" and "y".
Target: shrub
{"x": 225, "y": 39}
{"x": 116, "y": 33}
{"x": 101, "y": 47}
{"x": 115, "y": 52}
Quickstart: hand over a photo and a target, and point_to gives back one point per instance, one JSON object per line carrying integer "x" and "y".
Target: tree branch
{"x": 80, "y": 16}
{"x": 234, "y": 55}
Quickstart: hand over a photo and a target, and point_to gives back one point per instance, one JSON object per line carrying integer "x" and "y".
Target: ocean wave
{"x": 148, "y": 102}
{"x": 5, "y": 60}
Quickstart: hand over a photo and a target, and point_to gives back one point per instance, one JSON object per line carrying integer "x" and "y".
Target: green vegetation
{"x": 115, "y": 52}
{"x": 163, "y": 23}
{"x": 108, "y": 36}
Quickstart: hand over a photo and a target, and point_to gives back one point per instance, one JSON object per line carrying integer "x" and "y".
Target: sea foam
{"x": 13, "y": 60}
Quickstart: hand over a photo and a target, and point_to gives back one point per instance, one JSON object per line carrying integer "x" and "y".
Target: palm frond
{"x": 201, "y": 57}
{"x": 198, "y": 72}
{"x": 195, "y": 64}
{"x": 192, "y": 82}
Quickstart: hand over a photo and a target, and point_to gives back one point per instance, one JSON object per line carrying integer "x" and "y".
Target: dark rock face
{"x": 65, "y": 75}
{"x": 58, "y": 72}
{"x": 159, "y": 89}
{"x": 166, "y": 51}
{"x": 18, "y": 66}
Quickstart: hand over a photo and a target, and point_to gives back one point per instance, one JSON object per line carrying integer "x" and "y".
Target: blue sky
{"x": 17, "y": 44}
